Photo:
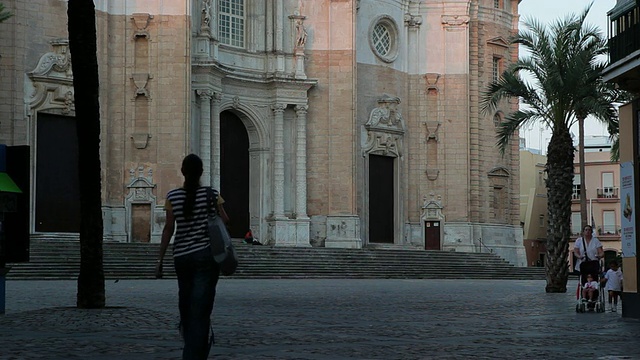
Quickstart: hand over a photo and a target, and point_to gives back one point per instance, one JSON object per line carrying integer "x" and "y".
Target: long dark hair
{"x": 192, "y": 170}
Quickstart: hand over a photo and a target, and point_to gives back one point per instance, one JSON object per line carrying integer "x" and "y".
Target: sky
{"x": 547, "y": 11}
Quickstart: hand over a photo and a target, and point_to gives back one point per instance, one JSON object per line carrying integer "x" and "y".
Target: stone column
{"x": 278, "y": 161}
{"x": 215, "y": 142}
{"x": 279, "y": 42}
{"x": 301, "y": 161}
{"x": 205, "y": 96}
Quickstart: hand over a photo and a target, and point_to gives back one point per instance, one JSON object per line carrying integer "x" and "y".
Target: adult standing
{"x": 588, "y": 250}
{"x": 186, "y": 214}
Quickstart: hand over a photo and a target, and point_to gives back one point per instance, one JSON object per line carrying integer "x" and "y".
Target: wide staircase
{"x": 61, "y": 260}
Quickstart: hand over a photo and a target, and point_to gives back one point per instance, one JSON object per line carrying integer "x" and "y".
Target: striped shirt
{"x": 191, "y": 233}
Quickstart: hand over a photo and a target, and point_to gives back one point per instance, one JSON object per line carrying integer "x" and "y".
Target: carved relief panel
{"x": 385, "y": 129}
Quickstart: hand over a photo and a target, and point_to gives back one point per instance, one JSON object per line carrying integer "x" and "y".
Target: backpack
{"x": 222, "y": 249}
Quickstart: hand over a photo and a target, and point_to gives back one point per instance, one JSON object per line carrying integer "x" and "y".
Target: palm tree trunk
{"x": 559, "y": 183}
{"x": 83, "y": 47}
{"x": 583, "y": 189}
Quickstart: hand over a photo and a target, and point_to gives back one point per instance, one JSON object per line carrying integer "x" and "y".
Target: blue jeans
{"x": 197, "y": 279}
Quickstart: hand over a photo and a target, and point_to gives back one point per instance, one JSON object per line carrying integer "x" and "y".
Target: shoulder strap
{"x": 212, "y": 201}
{"x": 584, "y": 247}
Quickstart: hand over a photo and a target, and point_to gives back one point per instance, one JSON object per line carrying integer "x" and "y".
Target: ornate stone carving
{"x": 279, "y": 107}
{"x": 432, "y": 129}
{"x": 140, "y": 80}
{"x": 141, "y": 186}
{"x": 141, "y": 22}
{"x": 236, "y": 102}
{"x": 55, "y": 64}
{"x": 301, "y": 109}
{"x": 455, "y": 22}
{"x": 301, "y": 33}
{"x": 432, "y": 208}
{"x": 69, "y": 104}
{"x": 140, "y": 192}
{"x": 386, "y": 116}
{"x": 412, "y": 21}
{"x": 432, "y": 80}
{"x": 206, "y": 16}
{"x": 385, "y": 128}
{"x": 50, "y": 84}
{"x": 432, "y": 174}
{"x": 205, "y": 94}
{"x": 140, "y": 140}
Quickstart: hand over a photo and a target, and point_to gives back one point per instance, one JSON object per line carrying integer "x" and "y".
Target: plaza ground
{"x": 318, "y": 319}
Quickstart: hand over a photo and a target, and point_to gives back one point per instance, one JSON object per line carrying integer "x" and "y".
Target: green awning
{"x": 7, "y": 185}
{"x": 622, "y": 7}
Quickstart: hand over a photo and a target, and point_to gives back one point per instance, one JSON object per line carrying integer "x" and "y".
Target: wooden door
{"x": 234, "y": 172}
{"x": 57, "y": 185}
{"x": 432, "y": 235}
{"x": 381, "y": 199}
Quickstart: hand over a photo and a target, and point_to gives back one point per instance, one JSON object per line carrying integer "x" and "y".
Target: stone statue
{"x": 206, "y": 14}
{"x": 301, "y": 34}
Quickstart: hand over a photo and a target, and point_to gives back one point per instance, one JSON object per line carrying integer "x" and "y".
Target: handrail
{"x": 482, "y": 244}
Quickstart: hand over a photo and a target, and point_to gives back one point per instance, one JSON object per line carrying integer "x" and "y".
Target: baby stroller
{"x": 592, "y": 269}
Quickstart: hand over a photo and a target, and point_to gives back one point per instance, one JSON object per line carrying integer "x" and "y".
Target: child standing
{"x": 613, "y": 278}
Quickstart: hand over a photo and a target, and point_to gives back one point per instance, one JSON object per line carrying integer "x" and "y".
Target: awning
{"x": 7, "y": 185}
{"x": 622, "y": 7}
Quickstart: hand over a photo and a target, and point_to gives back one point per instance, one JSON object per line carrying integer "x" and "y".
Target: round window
{"x": 383, "y": 39}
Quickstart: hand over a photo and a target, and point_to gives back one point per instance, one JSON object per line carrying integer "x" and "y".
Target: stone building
{"x": 323, "y": 122}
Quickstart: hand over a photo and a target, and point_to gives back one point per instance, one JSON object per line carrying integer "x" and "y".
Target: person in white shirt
{"x": 613, "y": 285}
{"x": 590, "y": 289}
{"x": 588, "y": 250}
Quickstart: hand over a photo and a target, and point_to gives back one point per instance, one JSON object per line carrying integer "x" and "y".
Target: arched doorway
{"x": 234, "y": 172}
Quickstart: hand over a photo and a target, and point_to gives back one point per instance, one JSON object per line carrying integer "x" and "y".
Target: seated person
{"x": 590, "y": 289}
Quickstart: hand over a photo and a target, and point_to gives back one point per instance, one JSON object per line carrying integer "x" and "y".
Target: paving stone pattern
{"x": 317, "y": 319}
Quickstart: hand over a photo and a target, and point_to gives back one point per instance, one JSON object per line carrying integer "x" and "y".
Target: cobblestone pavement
{"x": 317, "y": 319}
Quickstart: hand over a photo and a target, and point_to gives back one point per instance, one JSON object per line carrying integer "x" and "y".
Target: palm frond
{"x": 4, "y": 15}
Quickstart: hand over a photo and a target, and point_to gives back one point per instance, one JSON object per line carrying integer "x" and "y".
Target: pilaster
{"x": 205, "y": 96}
{"x": 301, "y": 162}
{"x": 278, "y": 161}
{"x": 215, "y": 138}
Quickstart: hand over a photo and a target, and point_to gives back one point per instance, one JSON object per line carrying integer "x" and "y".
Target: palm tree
{"x": 598, "y": 100}
{"x": 83, "y": 47}
{"x": 4, "y": 15}
{"x": 558, "y": 57}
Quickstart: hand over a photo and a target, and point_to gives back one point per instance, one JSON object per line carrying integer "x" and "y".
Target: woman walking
{"x": 186, "y": 213}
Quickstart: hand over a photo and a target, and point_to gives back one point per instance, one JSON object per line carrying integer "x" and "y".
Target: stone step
{"x": 60, "y": 259}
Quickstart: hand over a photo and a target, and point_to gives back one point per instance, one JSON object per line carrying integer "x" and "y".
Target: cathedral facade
{"x": 335, "y": 123}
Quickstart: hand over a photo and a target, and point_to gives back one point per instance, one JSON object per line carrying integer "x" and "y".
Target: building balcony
{"x": 575, "y": 195}
{"x": 609, "y": 230}
{"x": 624, "y": 46}
{"x": 608, "y": 193}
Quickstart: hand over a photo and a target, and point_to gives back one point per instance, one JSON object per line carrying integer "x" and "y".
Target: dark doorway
{"x": 57, "y": 192}
{"x": 16, "y": 224}
{"x": 234, "y": 172}
{"x": 432, "y": 235}
{"x": 381, "y": 189}
{"x": 541, "y": 258}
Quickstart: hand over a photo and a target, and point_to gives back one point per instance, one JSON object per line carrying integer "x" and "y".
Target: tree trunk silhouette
{"x": 559, "y": 183}
{"x": 83, "y": 47}
{"x": 583, "y": 189}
